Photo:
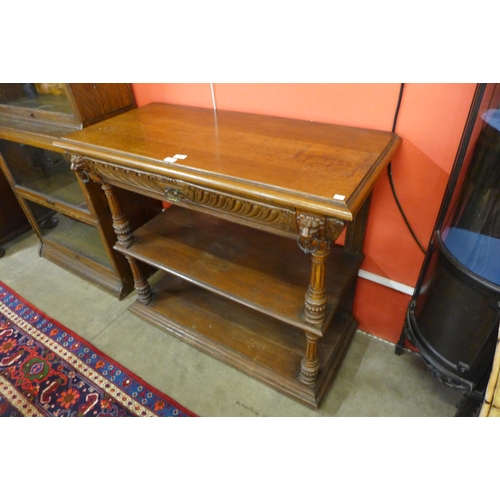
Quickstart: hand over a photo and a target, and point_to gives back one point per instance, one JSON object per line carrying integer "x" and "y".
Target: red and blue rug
{"x": 47, "y": 370}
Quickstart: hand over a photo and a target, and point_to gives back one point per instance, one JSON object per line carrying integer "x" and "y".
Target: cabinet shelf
{"x": 256, "y": 344}
{"x": 262, "y": 271}
{"x": 81, "y": 213}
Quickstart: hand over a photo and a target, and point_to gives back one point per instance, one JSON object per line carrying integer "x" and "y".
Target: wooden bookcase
{"x": 71, "y": 217}
{"x": 252, "y": 271}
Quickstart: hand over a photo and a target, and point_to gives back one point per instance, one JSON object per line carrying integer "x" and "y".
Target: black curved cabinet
{"x": 454, "y": 313}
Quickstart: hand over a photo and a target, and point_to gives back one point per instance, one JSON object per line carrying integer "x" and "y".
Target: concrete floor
{"x": 372, "y": 381}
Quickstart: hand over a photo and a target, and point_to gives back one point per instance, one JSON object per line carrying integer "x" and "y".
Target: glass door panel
{"x": 72, "y": 234}
{"x": 45, "y": 172}
{"x": 46, "y": 97}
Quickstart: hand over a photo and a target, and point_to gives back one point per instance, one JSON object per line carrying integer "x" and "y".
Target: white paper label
{"x": 339, "y": 197}
{"x": 180, "y": 157}
{"x": 169, "y": 159}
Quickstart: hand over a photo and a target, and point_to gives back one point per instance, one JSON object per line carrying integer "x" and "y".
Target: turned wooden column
{"x": 125, "y": 237}
{"x": 121, "y": 224}
{"x": 315, "y": 237}
{"x": 315, "y": 303}
{"x": 314, "y": 311}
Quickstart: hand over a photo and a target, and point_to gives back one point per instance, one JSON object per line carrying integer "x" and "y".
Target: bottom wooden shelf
{"x": 258, "y": 345}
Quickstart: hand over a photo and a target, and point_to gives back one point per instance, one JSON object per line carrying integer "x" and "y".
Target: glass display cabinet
{"x": 454, "y": 313}
{"x": 71, "y": 217}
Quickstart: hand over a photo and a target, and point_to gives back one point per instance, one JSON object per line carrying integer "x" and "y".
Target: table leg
{"x": 315, "y": 237}
{"x": 315, "y": 303}
{"x": 125, "y": 238}
{"x": 121, "y": 224}
{"x": 141, "y": 284}
{"x": 309, "y": 366}
{"x": 314, "y": 312}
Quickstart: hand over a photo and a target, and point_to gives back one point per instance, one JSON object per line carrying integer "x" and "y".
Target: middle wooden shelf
{"x": 263, "y": 271}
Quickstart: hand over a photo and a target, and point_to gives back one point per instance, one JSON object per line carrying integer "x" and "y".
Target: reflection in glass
{"x": 49, "y": 97}
{"x": 472, "y": 233}
{"x": 45, "y": 172}
{"x": 71, "y": 233}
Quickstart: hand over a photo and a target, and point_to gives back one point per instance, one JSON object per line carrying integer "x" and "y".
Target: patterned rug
{"x": 47, "y": 370}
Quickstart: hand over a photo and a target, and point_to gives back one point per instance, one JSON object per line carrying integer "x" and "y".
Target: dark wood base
{"x": 84, "y": 268}
{"x": 254, "y": 343}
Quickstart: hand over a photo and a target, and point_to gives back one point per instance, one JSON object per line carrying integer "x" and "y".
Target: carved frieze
{"x": 175, "y": 190}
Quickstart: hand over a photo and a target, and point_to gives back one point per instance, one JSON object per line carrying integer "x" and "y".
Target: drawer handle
{"x": 172, "y": 195}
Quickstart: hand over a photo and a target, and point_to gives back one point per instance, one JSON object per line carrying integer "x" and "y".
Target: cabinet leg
{"x": 309, "y": 366}
{"x": 141, "y": 284}
{"x": 121, "y": 224}
{"x": 125, "y": 238}
{"x": 315, "y": 302}
{"x": 400, "y": 346}
{"x": 314, "y": 311}
{"x": 315, "y": 237}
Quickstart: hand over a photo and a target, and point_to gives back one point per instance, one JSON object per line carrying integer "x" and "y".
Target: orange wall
{"x": 430, "y": 123}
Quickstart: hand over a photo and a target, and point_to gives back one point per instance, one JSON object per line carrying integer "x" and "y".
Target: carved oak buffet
{"x": 251, "y": 271}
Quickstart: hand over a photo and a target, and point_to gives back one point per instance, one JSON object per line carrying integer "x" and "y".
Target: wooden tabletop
{"x": 328, "y": 168}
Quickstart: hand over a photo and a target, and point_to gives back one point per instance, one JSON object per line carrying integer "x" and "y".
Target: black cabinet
{"x": 454, "y": 313}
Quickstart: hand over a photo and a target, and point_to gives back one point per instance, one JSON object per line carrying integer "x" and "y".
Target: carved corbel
{"x": 78, "y": 166}
{"x": 312, "y": 229}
